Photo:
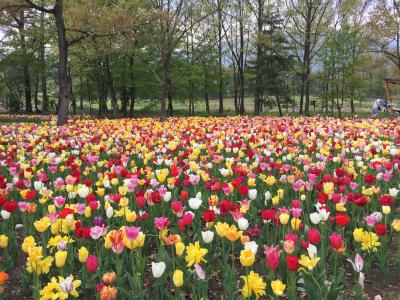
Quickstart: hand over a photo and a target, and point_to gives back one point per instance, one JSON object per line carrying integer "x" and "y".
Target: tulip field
{"x": 199, "y": 208}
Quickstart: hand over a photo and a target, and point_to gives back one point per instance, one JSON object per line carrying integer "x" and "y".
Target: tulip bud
{"x": 178, "y": 278}
{"x": 60, "y": 258}
{"x": 167, "y": 196}
{"x": 179, "y": 248}
{"x": 386, "y": 209}
{"x": 92, "y": 263}
{"x": 315, "y": 219}
{"x": 252, "y": 194}
{"x": 284, "y": 218}
{"x": 109, "y": 212}
{"x": 3, "y": 241}
{"x": 4, "y": 214}
{"x": 243, "y": 223}
{"x": 158, "y": 269}
{"x": 289, "y": 246}
{"x": 207, "y": 236}
{"x": 83, "y": 254}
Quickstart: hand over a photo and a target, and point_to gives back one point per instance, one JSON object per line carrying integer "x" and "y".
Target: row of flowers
{"x": 209, "y": 207}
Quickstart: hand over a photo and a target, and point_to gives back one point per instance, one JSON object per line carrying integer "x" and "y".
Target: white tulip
{"x": 314, "y": 217}
{"x": 207, "y": 236}
{"x": 324, "y": 215}
{"x": 243, "y": 223}
{"x": 194, "y": 203}
{"x": 109, "y": 212}
{"x": 158, "y": 269}
{"x": 393, "y": 192}
{"x": 224, "y": 172}
{"x": 83, "y": 191}
{"x": 167, "y": 196}
{"x": 252, "y": 246}
{"x": 267, "y": 196}
{"x": 38, "y": 185}
{"x": 312, "y": 251}
{"x": 67, "y": 285}
{"x": 4, "y": 214}
{"x": 252, "y": 194}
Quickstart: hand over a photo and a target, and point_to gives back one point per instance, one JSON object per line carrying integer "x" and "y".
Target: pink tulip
{"x": 199, "y": 271}
{"x": 132, "y": 232}
{"x": 336, "y": 241}
{"x": 97, "y": 231}
{"x": 272, "y": 256}
{"x": 161, "y": 223}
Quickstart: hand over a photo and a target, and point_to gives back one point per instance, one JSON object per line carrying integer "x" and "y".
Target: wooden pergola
{"x": 392, "y": 97}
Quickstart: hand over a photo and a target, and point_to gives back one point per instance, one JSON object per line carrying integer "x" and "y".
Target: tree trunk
{"x": 81, "y": 93}
{"x": 43, "y": 75}
{"x": 28, "y": 89}
{"x": 258, "y": 88}
{"x": 25, "y": 66}
{"x": 36, "y": 100}
{"x": 305, "y": 86}
{"x": 132, "y": 91}
{"x": 206, "y": 97}
{"x": 307, "y": 62}
{"x": 64, "y": 81}
{"x": 169, "y": 94}
{"x": 278, "y": 102}
{"x": 110, "y": 84}
{"x": 89, "y": 95}
{"x": 100, "y": 94}
{"x": 124, "y": 96}
{"x": 241, "y": 62}
{"x": 71, "y": 92}
{"x": 220, "y": 74}
{"x": 235, "y": 88}
{"x": 164, "y": 87}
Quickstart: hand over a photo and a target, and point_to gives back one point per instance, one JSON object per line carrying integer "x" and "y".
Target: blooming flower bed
{"x": 200, "y": 207}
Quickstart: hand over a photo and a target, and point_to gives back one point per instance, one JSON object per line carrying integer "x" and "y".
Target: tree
{"x": 308, "y": 23}
{"x": 384, "y": 30}
{"x": 341, "y": 59}
{"x": 273, "y": 61}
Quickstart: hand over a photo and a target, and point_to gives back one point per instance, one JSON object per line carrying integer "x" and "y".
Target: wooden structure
{"x": 392, "y": 97}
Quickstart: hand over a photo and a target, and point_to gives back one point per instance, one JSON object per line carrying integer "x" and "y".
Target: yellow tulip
{"x": 284, "y": 218}
{"x": 83, "y": 254}
{"x": 42, "y": 225}
{"x": 278, "y": 288}
{"x": 179, "y": 248}
{"x": 221, "y": 229}
{"x": 247, "y": 258}
{"x": 177, "y": 278}
{"x": 60, "y": 258}
{"x": 3, "y": 241}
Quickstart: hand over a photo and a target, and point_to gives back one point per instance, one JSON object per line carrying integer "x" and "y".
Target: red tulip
{"x": 380, "y": 229}
{"x": 342, "y": 219}
{"x": 209, "y": 215}
{"x": 292, "y": 263}
{"x": 313, "y": 236}
{"x": 369, "y": 179}
{"x": 386, "y": 200}
{"x": 243, "y": 190}
{"x": 184, "y": 195}
{"x": 10, "y": 206}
